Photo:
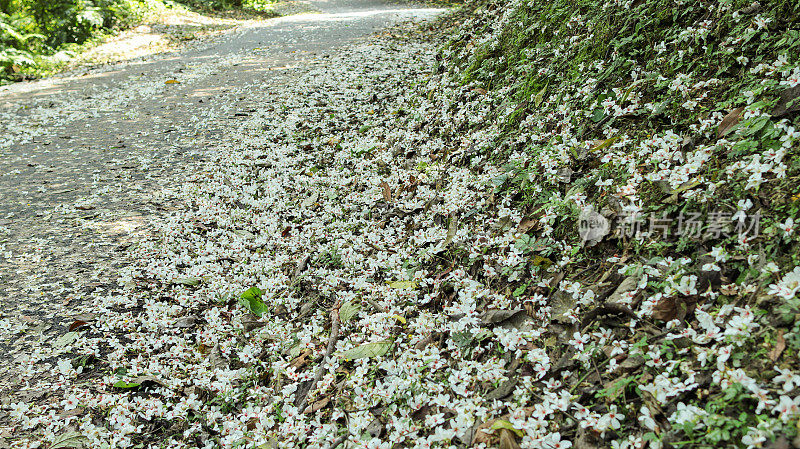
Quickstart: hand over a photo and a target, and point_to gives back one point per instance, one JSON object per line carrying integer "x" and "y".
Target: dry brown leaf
{"x": 671, "y": 308}
{"x": 301, "y": 360}
{"x": 422, "y": 344}
{"x": 621, "y": 293}
{"x": 788, "y": 103}
{"x": 632, "y": 362}
{"x": 76, "y": 324}
{"x": 481, "y": 435}
{"x": 387, "y": 192}
{"x": 585, "y": 440}
{"x": 666, "y": 309}
{"x": 251, "y": 423}
{"x": 496, "y": 316}
{"x": 74, "y": 412}
{"x": 148, "y": 381}
{"x": 508, "y": 440}
{"x": 780, "y": 345}
{"x": 317, "y": 405}
{"x": 730, "y": 120}
{"x": 527, "y": 224}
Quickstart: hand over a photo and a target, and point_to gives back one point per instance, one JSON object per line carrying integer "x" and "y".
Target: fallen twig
{"x": 606, "y": 309}
{"x": 339, "y": 441}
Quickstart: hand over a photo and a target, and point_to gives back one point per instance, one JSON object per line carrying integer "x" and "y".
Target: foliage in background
{"x": 33, "y": 30}
{"x": 35, "y": 33}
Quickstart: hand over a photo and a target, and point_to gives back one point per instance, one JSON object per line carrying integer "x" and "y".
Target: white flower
{"x": 64, "y": 366}
{"x": 719, "y": 254}
{"x": 710, "y": 267}
{"x": 772, "y": 267}
{"x": 579, "y": 340}
{"x": 787, "y": 227}
{"x": 787, "y": 378}
{"x": 723, "y": 354}
{"x": 19, "y": 410}
{"x": 754, "y": 438}
{"x": 442, "y": 434}
{"x": 793, "y": 80}
{"x": 761, "y": 22}
{"x": 618, "y": 347}
{"x": 687, "y": 414}
{"x": 788, "y": 286}
{"x": 687, "y": 285}
{"x": 610, "y": 420}
{"x": 787, "y": 408}
{"x": 554, "y": 441}
{"x": 646, "y": 418}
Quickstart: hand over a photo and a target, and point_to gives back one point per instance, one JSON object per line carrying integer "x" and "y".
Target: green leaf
{"x": 503, "y": 424}
{"x": 367, "y": 350}
{"x": 525, "y": 243}
{"x": 252, "y": 293}
{"x": 605, "y": 144}
{"x": 403, "y": 285}
{"x": 650, "y": 436}
{"x": 483, "y": 334}
{"x": 70, "y": 440}
{"x": 65, "y": 340}
{"x": 598, "y": 115}
{"x": 755, "y": 127}
{"x": 462, "y": 339}
{"x": 9, "y": 31}
{"x": 537, "y": 100}
{"x": 188, "y": 281}
{"x": 222, "y": 298}
{"x": 686, "y": 186}
{"x": 126, "y": 385}
{"x": 295, "y": 350}
{"x": 730, "y": 393}
{"x": 251, "y": 299}
{"x": 348, "y": 311}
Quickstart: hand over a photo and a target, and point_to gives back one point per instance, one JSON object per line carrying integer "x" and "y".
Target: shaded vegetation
{"x": 32, "y": 29}
{"x": 39, "y": 33}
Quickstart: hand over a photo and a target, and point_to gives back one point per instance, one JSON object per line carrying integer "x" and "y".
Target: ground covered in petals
{"x": 542, "y": 226}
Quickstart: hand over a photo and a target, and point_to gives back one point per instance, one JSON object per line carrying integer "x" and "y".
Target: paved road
{"x": 87, "y": 159}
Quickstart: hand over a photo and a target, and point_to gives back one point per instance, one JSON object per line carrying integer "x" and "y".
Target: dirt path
{"x": 88, "y": 159}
